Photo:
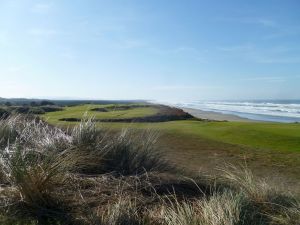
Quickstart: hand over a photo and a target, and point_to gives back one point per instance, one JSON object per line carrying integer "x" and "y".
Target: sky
{"x": 168, "y": 50}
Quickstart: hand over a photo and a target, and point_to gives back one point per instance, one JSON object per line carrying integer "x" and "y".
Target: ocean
{"x": 286, "y": 111}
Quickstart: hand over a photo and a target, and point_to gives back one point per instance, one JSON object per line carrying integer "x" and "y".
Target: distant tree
{"x": 45, "y": 102}
{"x": 22, "y": 109}
{"x": 33, "y": 104}
{"x": 8, "y": 104}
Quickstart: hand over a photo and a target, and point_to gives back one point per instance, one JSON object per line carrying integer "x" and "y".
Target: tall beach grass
{"x": 88, "y": 175}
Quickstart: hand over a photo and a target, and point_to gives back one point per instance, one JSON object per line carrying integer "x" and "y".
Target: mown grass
{"x": 88, "y": 175}
{"x": 274, "y": 136}
{"x": 80, "y": 110}
{"x": 282, "y": 137}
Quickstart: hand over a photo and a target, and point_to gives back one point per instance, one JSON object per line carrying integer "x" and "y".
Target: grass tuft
{"x": 134, "y": 154}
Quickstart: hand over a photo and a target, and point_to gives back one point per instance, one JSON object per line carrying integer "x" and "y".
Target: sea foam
{"x": 279, "y": 111}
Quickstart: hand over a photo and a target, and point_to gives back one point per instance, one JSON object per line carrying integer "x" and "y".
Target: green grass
{"x": 80, "y": 110}
{"x": 272, "y": 136}
{"x": 275, "y": 136}
{"x": 266, "y": 147}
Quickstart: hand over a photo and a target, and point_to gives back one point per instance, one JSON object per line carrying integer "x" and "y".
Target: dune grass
{"x": 88, "y": 175}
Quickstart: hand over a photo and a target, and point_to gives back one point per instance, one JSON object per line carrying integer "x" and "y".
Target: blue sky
{"x": 163, "y": 50}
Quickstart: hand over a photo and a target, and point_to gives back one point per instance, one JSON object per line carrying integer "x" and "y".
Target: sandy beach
{"x": 215, "y": 115}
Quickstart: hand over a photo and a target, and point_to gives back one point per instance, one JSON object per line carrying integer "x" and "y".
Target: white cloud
{"x": 283, "y": 31}
{"x": 3, "y": 39}
{"x": 237, "y": 48}
{"x": 266, "y": 78}
{"x": 41, "y": 8}
{"x": 276, "y": 59}
{"x": 14, "y": 69}
{"x": 68, "y": 55}
{"x": 131, "y": 43}
{"x": 270, "y": 55}
{"x": 183, "y": 87}
{"x": 261, "y": 21}
{"x": 42, "y": 32}
{"x": 271, "y": 78}
{"x": 182, "y": 51}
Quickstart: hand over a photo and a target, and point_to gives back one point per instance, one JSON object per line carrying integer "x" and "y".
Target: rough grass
{"x": 87, "y": 175}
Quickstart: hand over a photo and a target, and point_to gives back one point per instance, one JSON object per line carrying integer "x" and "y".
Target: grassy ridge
{"x": 80, "y": 110}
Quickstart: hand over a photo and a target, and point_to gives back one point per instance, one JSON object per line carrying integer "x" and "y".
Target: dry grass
{"x": 88, "y": 175}
{"x": 218, "y": 209}
{"x": 8, "y": 130}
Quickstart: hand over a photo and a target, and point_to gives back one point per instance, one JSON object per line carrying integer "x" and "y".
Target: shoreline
{"x": 211, "y": 115}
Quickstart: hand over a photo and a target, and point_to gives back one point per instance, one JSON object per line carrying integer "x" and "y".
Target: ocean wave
{"x": 291, "y": 110}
